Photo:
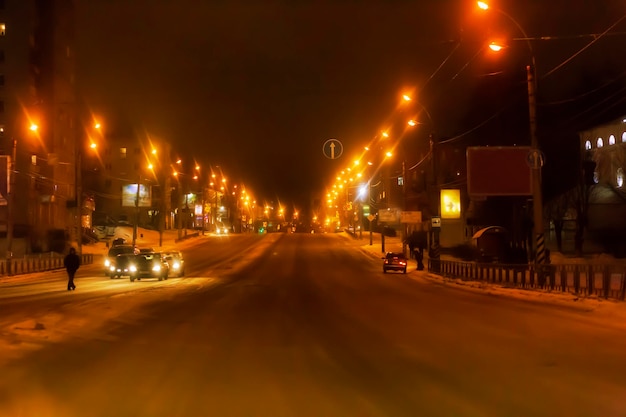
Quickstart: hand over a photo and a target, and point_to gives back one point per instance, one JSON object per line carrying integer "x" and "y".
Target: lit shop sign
{"x": 450, "y": 204}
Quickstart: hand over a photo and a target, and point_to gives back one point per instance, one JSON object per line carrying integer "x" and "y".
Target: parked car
{"x": 394, "y": 261}
{"x": 149, "y": 265}
{"x": 109, "y": 259}
{"x": 122, "y": 265}
{"x": 175, "y": 262}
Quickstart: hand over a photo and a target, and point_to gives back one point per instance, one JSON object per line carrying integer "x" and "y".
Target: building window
{"x": 600, "y": 142}
{"x": 612, "y": 140}
{"x": 588, "y": 145}
{"x": 122, "y": 153}
{"x": 620, "y": 178}
{"x": 624, "y": 137}
{"x": 3, "y": 28}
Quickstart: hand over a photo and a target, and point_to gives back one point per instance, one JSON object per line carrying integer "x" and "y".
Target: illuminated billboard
{"x": 129, "y": 195}
{"x": 451, "y": 204}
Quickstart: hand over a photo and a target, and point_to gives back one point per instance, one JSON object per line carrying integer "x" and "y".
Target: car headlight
{"x": 156, "y": 268}
{"x": 132, "y": 268}
{"x": 176, "y": 265}
{"x": 112, "y": 268}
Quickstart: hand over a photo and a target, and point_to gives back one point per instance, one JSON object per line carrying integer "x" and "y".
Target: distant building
{"x": 112, "y": 171}
{"x": 604, "y": 151}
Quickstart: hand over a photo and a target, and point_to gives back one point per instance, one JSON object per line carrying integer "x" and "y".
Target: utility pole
{"x": 11, "y": 207}
{"x": 136, "y": 225}
{"x": 540, "y": 257}
{"x": 79, "y": 200}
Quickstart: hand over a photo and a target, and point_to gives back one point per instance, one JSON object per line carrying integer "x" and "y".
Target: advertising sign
{"x": 387, "y": 216}
{"x": 129, "y": 195}
{"x": 499, "y": 171}
{"x": 411, "y": 217}
{"x": 451, "y": 204}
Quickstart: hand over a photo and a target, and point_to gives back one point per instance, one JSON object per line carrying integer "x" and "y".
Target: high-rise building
{"x": 39, "y": 125}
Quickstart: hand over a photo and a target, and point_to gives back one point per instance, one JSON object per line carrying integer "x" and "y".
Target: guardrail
{"x": 40, "y": 263}
{"x": 608, "y": 281}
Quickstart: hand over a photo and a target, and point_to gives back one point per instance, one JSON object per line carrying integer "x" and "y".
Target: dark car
{"x": 122, "y": 265}
{"x": 394, "y": 261}
{"x": 109, "y": 259}
{"x": 175, "y": 262}
{"x": 149, "y": 265}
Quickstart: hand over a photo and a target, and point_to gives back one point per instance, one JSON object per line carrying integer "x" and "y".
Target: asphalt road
{"x": 299, "y": 325}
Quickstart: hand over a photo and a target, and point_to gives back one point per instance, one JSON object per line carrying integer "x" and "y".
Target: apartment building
{"x": 39, "y": 126}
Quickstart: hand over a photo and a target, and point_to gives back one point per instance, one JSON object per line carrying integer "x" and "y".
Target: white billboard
{"x": 129, "y": 195}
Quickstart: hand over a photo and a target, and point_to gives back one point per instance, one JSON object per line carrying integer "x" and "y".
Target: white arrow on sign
{"x": 332, "y": 149}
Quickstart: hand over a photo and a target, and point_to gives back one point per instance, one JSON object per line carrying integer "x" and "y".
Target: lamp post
{"x": 136, "y": 222}
{"x": 11, "y": 196}
{"x": 11, "y": 203}
{"x": 535, "y": 157}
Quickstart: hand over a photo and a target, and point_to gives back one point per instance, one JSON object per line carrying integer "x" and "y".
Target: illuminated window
{"x": 611, "y": 140}
{"x": 588, "y": 145}
{"x": 2, "y": 29}
{"x": 122, "y": 153}
{"x": 624, "y": 137}
{"x": 600, "y": 143}
{"x": 620, "y": 178}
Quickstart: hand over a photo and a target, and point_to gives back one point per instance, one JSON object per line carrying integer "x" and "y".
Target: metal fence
{"x": 607, "y": 281}
{"x": 38, "y": 263}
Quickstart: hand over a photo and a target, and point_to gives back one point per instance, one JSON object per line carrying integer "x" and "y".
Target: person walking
{"x": 71, "y": 263}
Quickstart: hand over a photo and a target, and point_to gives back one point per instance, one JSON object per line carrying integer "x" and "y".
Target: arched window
{"x": 600, "y": 143}
{"x": 624, "y": 137}
{"x": 620, "y": 178}
{"x": 612, "y": 140}
{"x": 588, "y": 145}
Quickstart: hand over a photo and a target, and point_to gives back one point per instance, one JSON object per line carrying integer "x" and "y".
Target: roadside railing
{"x": 607, "y": 281}
{"x": 37, "y": 263}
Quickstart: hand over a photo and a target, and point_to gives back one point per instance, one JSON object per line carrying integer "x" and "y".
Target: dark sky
{"x": 258, "y": 86}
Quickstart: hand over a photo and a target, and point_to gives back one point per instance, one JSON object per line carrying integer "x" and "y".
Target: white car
{"x": 176, "y": 263}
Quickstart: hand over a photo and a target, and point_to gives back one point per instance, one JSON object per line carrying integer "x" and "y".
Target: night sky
{"x": 257, "y": 87}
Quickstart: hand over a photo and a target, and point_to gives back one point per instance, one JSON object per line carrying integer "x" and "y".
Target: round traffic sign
{"x": 332, "y": 149}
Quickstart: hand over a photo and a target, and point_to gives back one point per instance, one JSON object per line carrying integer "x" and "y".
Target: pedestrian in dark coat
{"x": 71, "y": 263}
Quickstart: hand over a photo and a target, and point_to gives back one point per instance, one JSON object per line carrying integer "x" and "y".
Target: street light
{"x": 33, "y": 127}
{"x": 535, "y": 156}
